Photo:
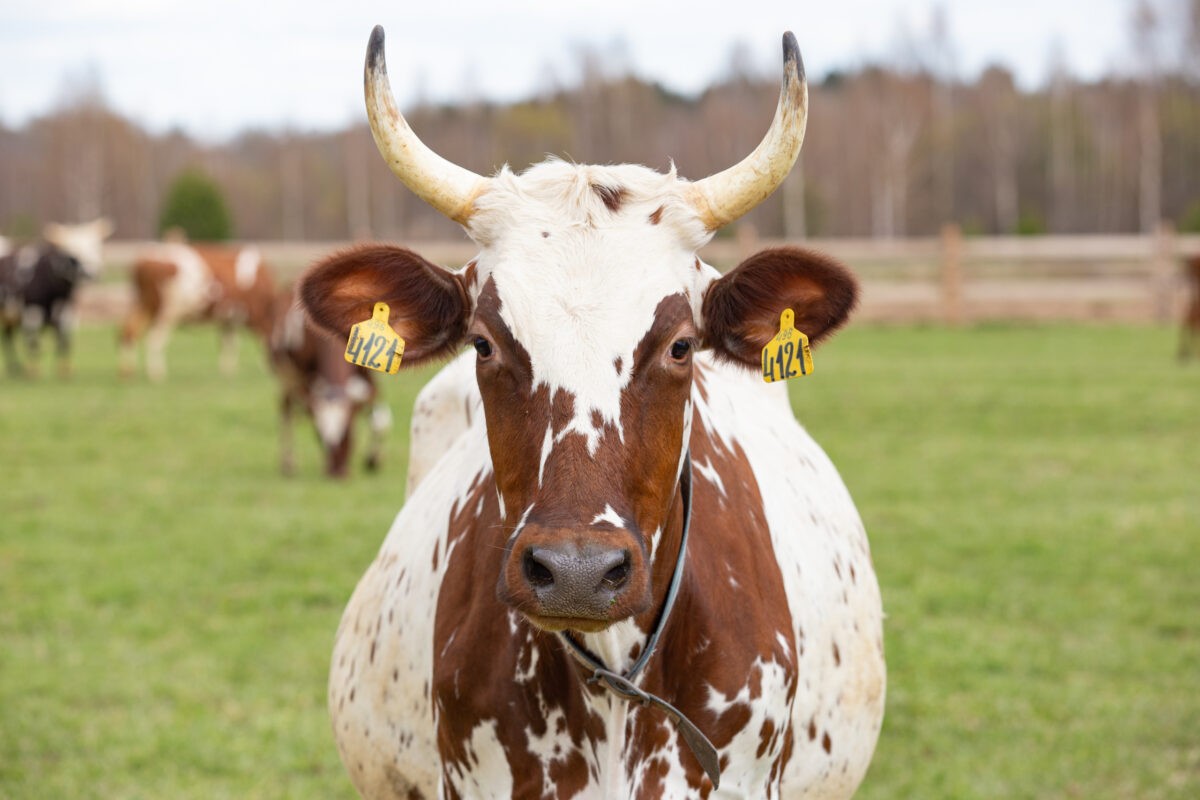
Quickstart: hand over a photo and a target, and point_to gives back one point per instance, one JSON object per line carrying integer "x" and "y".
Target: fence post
{"x": 1162, "y": 270}
{"x": 952, "y": 284}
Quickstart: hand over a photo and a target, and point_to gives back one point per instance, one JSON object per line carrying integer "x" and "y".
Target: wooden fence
{"x": 951, "y": 279}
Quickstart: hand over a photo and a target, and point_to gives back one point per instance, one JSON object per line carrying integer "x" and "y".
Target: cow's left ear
{"x": 741, "y": 308}
{"x": 428, "y": 305}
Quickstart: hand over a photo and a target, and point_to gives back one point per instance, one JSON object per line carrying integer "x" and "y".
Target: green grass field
{"x": 168, "y": 601}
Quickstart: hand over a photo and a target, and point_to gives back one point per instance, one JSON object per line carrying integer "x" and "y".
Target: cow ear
{"x": 429, "y": 305}
{"x": 741, "y": 309}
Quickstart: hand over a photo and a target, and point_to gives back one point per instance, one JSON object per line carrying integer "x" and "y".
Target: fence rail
{"x": 951, "y": 278}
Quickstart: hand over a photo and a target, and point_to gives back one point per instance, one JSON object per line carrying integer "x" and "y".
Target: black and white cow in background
{"x": 37, "y": 287}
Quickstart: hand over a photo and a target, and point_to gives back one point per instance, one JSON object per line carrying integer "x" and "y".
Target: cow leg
{"x": 32, "y": 320}
{"x": 63, "y": 326}
{"x": 11, "y": 361}
{"x": 380, "y": 422}
{"x": 131, "y": 332}
{"x": 227, "y": 361}
{"x": 156, "y": 350}
{"x": 287, "y": 453}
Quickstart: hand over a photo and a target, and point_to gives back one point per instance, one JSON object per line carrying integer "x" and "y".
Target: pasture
{"x": 168, "y": 601}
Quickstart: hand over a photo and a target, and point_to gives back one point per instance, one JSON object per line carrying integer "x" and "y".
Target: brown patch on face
{"x": 656, "y": 215}
{"x": 612, "y": 196}
{"x": 505, "y": 383}
{"x": 617, "y": 364}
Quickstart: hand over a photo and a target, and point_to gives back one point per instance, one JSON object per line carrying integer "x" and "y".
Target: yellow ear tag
{"x": 374, "y": 345}
{"x": 787, "y": 354}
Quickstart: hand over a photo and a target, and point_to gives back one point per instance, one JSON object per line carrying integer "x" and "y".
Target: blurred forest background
{"x": 894, "y": 149}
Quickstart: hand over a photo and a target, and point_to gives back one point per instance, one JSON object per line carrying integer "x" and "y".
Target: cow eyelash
{"x": 681, "y": 349}
{"x": 483, "y": 347}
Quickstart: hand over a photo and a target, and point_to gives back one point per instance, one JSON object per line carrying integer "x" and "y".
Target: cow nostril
{"x": 616, "y": 577}
{"x": 537, "y": 573}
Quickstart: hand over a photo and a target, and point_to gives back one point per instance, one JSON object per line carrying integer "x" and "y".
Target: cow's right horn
{"x": 720, "y": 199}
{"x": 442, "y": 184}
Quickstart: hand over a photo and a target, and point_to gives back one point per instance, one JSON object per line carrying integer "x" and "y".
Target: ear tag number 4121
{"x": 787, "y": 354}
{"x": 374, "y": 345}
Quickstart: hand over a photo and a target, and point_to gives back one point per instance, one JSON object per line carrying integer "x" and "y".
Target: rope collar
{"x": 622, "y": 685}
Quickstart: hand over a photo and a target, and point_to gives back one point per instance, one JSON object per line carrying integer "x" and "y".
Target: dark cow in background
{"x": 174, "y": 283}
{"x": 314, "y": 376}
{"x": 617, "y": 456}
{"x": 37, "y": 287}
{"x": 1189, "y": 329}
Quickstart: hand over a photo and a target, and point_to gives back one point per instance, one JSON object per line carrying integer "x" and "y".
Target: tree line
{"x": 892, "y": 150}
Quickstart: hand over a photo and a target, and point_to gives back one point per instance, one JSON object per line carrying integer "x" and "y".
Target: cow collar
{"x": 623, "y": 685}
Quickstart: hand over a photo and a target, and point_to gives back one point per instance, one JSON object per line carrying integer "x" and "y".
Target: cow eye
{"x": 681, "y": 348}
{"x": 483, "y": 347}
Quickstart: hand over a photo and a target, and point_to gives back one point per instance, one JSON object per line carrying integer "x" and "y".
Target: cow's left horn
{"x": 722, "y": 198}
{"x": 442, "y": 184}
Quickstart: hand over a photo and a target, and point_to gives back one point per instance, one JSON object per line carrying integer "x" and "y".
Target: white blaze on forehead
{"x": 578, "y": 283}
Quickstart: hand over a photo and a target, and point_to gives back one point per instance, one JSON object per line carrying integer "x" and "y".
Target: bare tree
{"x": 1145, "y": 43}
{"x": 1061, "y": 174}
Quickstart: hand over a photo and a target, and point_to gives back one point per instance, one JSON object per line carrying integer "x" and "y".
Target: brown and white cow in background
{"x": 175, "y": 283}
{"x": 315, "y": 377}
{"x": 616, "y": 375}
{"x": 38, "y": 284}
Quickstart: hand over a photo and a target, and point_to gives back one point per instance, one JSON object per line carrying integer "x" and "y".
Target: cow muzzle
{"x": 562, "y": 581}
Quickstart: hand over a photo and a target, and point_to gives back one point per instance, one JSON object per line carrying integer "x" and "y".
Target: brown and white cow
{"x": 1189, "y": 328}
{"x": 610, "y": 413}
{"x": 315, "y": 377}
{"x": 175, "y": 282}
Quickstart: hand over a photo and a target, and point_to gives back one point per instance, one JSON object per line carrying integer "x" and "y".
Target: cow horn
{"x": 442, "y": 184}
{"x": 722, "y": 198}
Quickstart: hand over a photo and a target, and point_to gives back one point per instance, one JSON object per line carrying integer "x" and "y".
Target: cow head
{"x": 586, "y": 307}
{"x": 84, "y": 242}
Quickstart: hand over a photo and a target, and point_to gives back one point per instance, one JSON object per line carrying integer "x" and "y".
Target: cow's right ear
{"x": 742, "y": 308}
{"x": 429, "y": 305}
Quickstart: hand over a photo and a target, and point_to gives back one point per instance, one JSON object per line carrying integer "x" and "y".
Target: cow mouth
{"x": 552, "y": 624}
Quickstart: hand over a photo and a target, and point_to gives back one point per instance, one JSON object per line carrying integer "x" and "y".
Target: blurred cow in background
{"x": 315, "y": 376}
{"x": 1189, "y": 333}
{"x": 37, "y": 287}
{"x": 175, "y": 282}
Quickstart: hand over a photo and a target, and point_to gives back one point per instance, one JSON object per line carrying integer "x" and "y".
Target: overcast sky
{"x": 214, "y": 67}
